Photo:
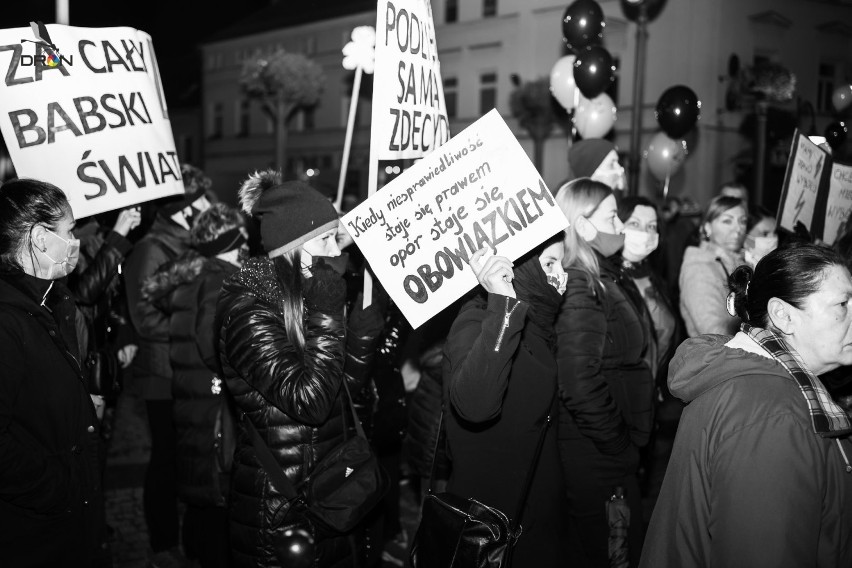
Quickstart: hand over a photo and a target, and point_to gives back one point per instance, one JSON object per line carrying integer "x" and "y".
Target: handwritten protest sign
{"x": 839, "y": 204}
{"x": 800, "y": 191}
{"x": 88, "y": 114}
{"x": 480, "y": 190}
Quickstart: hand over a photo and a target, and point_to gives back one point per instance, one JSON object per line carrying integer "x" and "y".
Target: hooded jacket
{"x": 186, "y": 292}
{"x": 749, "y": 483}
{"x": 703, "y": 287}
{"x": 294, "y": 400}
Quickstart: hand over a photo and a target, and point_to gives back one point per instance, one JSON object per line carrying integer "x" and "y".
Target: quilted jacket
{"x": 294, "y": 400}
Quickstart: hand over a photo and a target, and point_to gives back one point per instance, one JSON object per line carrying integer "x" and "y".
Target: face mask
{"x": 337, "y": 263}
{"x": 755, "y": 248}
{"x": 66, "y": 265}
{"x": 559, "y": 281}
{"x": 607, "y": 244}
{"x": 639, "y": 244}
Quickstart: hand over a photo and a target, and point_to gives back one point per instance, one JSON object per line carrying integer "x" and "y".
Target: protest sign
{"x": 805, "y": 168}
{"x": 479, "y": 190}
{"x": 85, "y": 110}
{"x": 817, "y": 191}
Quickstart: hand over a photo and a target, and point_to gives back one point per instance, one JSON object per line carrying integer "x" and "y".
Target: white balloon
{"x": 594, "y": 118}
{"x": 562, "y": 84}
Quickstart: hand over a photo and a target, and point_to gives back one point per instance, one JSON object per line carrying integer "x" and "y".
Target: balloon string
{"x": 666, "y": 186}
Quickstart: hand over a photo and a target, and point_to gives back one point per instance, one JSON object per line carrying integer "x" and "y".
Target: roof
{"x": 284, "y": 14}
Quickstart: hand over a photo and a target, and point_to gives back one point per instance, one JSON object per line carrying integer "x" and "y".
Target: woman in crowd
{"x": 282, "y": 352}
{"x": 50, "y": 481}
{"x": 760, "y": 237}
{"x": 186, "y": 291}
{"x": 760, "y": 473}
{"x": 500, "y": 382}
{"x": 605, "y": 384}
{"x": 705, "y": 270}
{"x": 641, "y": 238}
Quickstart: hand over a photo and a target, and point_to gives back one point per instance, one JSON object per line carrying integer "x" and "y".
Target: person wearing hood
{"x": 605, "y": 384}
{"x": 596, "y": 159}
{"x": 499, "y": 387}
{"x": 704, "y": 273}
{"x": 167, "y": 239}
{"x": 50, "y": 490}
{"x": 760, "y": 473}
{"x": 186, "y": 291}
{"x": 286, "y": 349}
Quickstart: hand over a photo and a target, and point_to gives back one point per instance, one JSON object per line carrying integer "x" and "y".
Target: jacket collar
{"x": 29, "y": 292}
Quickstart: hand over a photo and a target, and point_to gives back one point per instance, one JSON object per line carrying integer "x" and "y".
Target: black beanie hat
{"x": 290, "y": 213}
{"x": 585, "y": 156}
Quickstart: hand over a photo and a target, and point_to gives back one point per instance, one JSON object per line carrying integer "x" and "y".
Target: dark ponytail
{"x": 791, "y": 273}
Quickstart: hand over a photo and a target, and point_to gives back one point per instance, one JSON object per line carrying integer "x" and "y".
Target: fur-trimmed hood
{"x": 168, "y": 277}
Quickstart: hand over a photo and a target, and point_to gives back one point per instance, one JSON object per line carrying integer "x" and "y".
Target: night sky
{"x": 177, "y": 28}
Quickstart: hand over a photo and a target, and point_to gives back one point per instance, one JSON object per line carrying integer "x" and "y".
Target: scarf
{"x": 827, "y": 417}
{"x": 531, "y": 286}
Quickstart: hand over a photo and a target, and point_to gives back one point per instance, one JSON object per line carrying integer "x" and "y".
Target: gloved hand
{"x": 325, "y": 290}
{"x": 369, "y": 322}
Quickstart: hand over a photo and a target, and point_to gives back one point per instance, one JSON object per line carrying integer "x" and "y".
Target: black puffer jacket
{"x": 293, "y": 399}
{"x": 186, "y": 291}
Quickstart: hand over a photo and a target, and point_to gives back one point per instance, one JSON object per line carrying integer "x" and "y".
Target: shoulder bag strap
{"x": 519, "y": 510}
{"x": 435, "y": 450}
{"x": 269, "y": 463}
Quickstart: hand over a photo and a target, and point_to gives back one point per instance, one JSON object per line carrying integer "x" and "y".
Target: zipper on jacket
{"x": 843, "y": 453}
{"x": 505, "y": 325}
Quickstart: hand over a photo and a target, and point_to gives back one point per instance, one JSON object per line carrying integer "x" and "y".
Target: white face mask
{"x": 639, "y": 244}
{"x": 66, "y": 265}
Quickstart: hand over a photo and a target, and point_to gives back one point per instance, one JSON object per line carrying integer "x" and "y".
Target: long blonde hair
{"x": 580, "y": 198}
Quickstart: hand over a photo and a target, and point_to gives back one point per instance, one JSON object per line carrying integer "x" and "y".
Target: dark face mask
{"x": 336, "y": 263}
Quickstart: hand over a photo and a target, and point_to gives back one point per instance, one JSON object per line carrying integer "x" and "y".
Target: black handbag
{"x": 460, "y": 532}
{"x": 341, "y": 489}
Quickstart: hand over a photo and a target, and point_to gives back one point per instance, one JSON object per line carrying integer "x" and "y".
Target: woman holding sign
{"x": 500, "y": 381}
{"x": 285, "y": 353}
{"x": 606, "y": 386}
{"x": 49, "y": 443}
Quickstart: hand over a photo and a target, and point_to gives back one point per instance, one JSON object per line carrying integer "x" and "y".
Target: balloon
{"x": 677, "y": 110}
{"x": 562, "y": 85}
{"x": 631, "y": 8}
{"x": 835, "y": 134}
{"x": 582, "y": 24}
{"x": 295, "y": 548}
{"x": 593, "y": 71}
{"x": 842, "y": 97}
{"x": 594, "y": 118}
{"x": 665, "y": 156}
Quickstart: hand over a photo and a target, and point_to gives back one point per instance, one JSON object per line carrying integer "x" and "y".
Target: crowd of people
{"x": 246, "y": 334}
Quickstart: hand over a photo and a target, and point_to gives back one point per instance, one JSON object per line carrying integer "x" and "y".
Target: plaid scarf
{"x": 828, "y": 419}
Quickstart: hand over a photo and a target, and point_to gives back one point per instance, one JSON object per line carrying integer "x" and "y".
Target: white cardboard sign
{"x": 88, "y": 114}
{"x": 479, "y": 190}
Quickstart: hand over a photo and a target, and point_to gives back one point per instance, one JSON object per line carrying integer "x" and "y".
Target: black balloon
{"x": 678, "y": 110}
{"x": 593, "y": 71}
{"x": 295, "y": 548}
{"x": 582, "y": 24}
{"x": 632, "y": 9}
{"x": 835, "y": 134}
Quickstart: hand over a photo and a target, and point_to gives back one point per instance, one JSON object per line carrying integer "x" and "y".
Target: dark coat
{"x": 499, "y": 384}
{"x": 187, "y": 290}
{"x": 152, "y": 372}
{"x": 606, "y": 415}
{"x": 49, "y": 444}
{"x": 424, "y": 412}
{"x": 294, "y": 400}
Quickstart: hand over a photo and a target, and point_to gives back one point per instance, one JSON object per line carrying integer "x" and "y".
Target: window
{"x": 489, "y": 8}
{"x": 216, "y": 120}
{"x": 451, "y": 11}
{"x": 309, "y": 116}
{"x": 487, "y": 92}
{"x": 825, "y": 86}
{"x": 242, "y": 125}
{"x": 451, "y": 96}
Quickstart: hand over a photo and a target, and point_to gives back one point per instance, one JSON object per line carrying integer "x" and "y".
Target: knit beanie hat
{"x": 585, "y": 156}
{"x": 290, "y": 212}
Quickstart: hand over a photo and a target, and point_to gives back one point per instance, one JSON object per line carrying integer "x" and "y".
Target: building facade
{"x": 484, "y": 43}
